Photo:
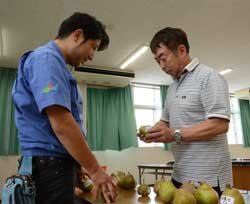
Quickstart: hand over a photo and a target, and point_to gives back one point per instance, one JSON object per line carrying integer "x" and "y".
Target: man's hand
{"x": 70, "y": 135}
{"x": 104, "y": 184}
{"x": 160, "y": 132}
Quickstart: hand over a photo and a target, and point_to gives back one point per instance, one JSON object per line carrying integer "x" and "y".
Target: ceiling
{"x": 218, "y": 32}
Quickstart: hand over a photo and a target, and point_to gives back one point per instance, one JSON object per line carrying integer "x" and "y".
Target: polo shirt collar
{"x": 191, "y": 66}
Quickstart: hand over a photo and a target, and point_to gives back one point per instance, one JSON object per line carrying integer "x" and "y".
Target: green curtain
{"x": 8, "y": 133}
{"x": 163, "y": 92}
{"x": 245, "y": 120}
{"x": 110, "y": 119}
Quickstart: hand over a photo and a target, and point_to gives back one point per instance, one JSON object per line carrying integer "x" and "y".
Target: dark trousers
{"x": 178, "y": 185}
{"x": 54, "y": 179}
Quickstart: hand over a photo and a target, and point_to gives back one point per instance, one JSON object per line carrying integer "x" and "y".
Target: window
{"x": 235, "y": 135}
{"x": 147, "y": 104}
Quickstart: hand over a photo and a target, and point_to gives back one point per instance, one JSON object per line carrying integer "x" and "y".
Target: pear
{"x": 233, "y": 193}
{"x": 86, "y": 184}
{"x": 188, "y": 186}
{"x": 167, "y": 191}
{"x": 205, "y": 194}
{"x": 115, "y": 177}
{"x": 143, "y": 130}
{"x": 127, "y": 182}
{"x": 120, "y": 173}
{"x": 157, "y": 185}
{"x": 183, "y": 196}
{"x": 130, "y": 181}
{"x": 143, "y": 190}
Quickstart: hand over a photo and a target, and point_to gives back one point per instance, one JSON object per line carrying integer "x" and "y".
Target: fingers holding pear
{"x": 143, "y": 132}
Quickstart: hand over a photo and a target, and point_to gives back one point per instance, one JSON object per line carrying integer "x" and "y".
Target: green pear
{"x": 205, "y": 194}
{"x": 120, "y": 173}
{"x": 167, "y": 191}
{"x": 143, "y": 190}
{"x": 143, "y": 130}
{"x": 183, "y": 196}
{"x": 157, "y": 185}
{"x": 233, "y": 193}
{"x": 115, "y": 177}
{"x": 86, "y": 184}
{"x": 127, "y": 182}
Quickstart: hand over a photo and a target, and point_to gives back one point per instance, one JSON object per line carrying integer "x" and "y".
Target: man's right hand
{"x": 104, "y": 184}
{"x": 70, "y": 135}
{"x": 160, "y": 132}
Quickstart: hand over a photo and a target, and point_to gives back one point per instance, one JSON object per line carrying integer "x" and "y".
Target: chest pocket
{"x": 189, "y": 101}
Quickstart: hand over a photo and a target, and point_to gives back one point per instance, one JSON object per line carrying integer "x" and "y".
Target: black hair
{"x": 92, "y": 28}
{"x": 171, "y": 38}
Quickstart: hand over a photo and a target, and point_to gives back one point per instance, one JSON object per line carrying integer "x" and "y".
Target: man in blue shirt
{"x": 48, "y": 116}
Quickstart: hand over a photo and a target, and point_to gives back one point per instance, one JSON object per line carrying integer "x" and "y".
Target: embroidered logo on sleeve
{"x": 50, "y": 88}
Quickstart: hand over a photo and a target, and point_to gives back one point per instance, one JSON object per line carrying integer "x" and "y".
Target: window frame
{"x": 154, "y": 108}
{"x": 233, "y": 113}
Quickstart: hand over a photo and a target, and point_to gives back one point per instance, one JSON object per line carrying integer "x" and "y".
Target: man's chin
{"x": 167, "y": 72}
{"x": 170, "y": 73}
{"x": 76, "y": 64}
{"x": 81, "y": 63}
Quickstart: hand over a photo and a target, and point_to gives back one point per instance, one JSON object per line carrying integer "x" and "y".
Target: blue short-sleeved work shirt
{"x": 43, "y": 80}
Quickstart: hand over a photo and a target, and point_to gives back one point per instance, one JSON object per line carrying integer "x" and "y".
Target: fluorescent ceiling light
{"x": 134, "y": 56}
{"x": 226, "y": 71}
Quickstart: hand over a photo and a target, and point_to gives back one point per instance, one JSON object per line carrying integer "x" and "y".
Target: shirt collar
{"x": 192, "y": 65}
{"x": 54, "y": 46}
